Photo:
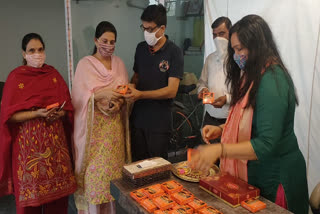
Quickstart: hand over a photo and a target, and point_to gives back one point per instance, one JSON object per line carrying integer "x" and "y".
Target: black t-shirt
{"x": 154, "y": 70}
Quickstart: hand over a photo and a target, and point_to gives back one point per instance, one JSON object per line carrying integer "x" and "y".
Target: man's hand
{"x": 134, "y": 94}
{"x": 221, "y": 101}
{"x": 204, "y": 90}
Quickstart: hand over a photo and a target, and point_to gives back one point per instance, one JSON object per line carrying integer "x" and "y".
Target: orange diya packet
{"x": 153, "y": 191}
{"x": 164, "y": 202}
{"x": 171, "y": 187}
{"x": 209, "y": 210}
{"x": 148, "y": 205}
{"x": 181, "y": 210}
{"x": 197, "y": 204}
{"x": 253, "y": 205}
{"x": 54, "y": 105}
{"x": 187, "y": 208}
{"x": 162, "y": 212}
{"x": 138, "y": 195}
{"x": 122, "y": 89}
{"x": 183, "y": 197}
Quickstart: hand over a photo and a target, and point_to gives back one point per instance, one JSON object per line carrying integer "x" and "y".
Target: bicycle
{"x": 185, "y": 122}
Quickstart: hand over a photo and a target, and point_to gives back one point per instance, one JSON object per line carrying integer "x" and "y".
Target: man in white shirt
{"x": 213, "y": 76}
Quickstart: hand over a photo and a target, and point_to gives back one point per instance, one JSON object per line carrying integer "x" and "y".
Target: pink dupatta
{"x": 237, "y": 129}
{"x": 90, "y": 76}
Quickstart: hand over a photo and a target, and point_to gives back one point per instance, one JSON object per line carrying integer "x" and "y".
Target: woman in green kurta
{"x": 258, "y": 142}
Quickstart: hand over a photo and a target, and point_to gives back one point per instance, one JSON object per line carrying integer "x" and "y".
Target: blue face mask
{"x": 240, "y": 60}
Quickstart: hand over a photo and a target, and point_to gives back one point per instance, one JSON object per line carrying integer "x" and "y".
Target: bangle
{"x": 221, "y": 128}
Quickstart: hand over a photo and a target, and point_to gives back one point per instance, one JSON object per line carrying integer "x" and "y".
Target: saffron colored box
{"x": 148, "y": 205}
{"x": 153, "y": 191}
{"x": 171, "y": 187}
{"x": 197, "y": 204}
{"x": 138, "y": 195}
{"x": 183, "y": 197}
{"x": 228, "y": 188}
{"x": 164, "y": 202}
{"x": 209, "y": 210}
{"x": 186, "y": 208}
{"x": 162, "y": 212}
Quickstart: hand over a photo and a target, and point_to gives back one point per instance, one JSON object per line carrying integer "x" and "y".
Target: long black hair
{"x": 26, "y": 39}
{"x": 255, "y": 35}
{"x": 103, "y": 27}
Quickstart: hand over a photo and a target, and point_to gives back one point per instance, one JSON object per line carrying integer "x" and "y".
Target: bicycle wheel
{"x": 182, "y": 130}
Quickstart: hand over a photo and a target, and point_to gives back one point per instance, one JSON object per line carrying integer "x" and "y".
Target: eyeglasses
{"x": 150, "y": 30}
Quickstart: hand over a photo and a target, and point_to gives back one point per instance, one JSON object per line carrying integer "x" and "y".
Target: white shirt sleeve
{"x": 203, "y": 81}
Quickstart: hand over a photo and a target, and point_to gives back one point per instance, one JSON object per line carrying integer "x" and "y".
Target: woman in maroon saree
{"x": 35, "y": 163}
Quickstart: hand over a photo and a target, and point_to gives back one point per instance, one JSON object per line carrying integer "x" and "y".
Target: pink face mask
{"x": 36, "y": 60}
{"x": 105, "y": 50}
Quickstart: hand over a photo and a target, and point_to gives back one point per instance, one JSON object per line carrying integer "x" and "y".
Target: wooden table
{"x": 120, "y": 190}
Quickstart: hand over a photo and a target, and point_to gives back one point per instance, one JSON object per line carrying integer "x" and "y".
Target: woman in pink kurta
{"x": 100, "y": 143}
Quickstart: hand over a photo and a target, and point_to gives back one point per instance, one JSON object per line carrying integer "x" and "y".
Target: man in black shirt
{"x": 158, "y": 68}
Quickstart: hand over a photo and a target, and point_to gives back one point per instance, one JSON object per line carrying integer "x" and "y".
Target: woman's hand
{"x": 42, "y": 112}
{"x": 210, "y": 132}
{"x": 205, "y": 156}
{"x": 106, "y": 93}
{"x": 55, "y": 115}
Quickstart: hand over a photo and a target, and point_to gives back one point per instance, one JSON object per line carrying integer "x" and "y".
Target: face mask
{"x": 151, "y": 38}
{"x": 36, "y": 60}
{"x": 240, "y": 60}
{"x": 105, "y": 50}
{"x": 221, "y": 46}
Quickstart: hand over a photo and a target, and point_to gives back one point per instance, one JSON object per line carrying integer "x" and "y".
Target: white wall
{"x": 295, "y": 26}
{"x": 45, "y": 17}
{"x": 87, "y": 14}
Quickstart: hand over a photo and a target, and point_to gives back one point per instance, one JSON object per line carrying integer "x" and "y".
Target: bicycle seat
{"x": 185, "y": 89}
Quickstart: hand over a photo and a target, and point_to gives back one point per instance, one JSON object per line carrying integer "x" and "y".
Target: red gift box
{"x": 230, "y": 189}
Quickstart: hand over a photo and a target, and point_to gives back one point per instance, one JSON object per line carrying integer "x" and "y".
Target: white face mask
{"x": 221, "y": 46}
{"x": 36, "y": 60}
{"x": 151, "y": 38}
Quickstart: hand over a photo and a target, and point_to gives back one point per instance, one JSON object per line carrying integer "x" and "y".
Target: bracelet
{"x": 221, "y": 128}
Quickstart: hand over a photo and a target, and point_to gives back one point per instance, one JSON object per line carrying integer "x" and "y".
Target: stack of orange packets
{"x": 170, "y": 198}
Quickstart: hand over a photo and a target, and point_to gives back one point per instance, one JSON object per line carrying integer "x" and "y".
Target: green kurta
{"x": 280, "y": 160}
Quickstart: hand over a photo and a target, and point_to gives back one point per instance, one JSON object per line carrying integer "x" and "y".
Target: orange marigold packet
{"x": 148, "y": 205}
{"x": 253, "y": 205}
{"x": 209, "y": 210}
{"x": 138, "y": 195}
{"x": 183, "y": 197}
{"x": 185, "y": 207}
{"x": 52, "y": 106}
{"x": 163, "y": 202}
{"x": 153, "y": 191}
{"x": 197, "y": 204}
{"x": 161, "y": 212}
{"x": 171, "y": 187}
